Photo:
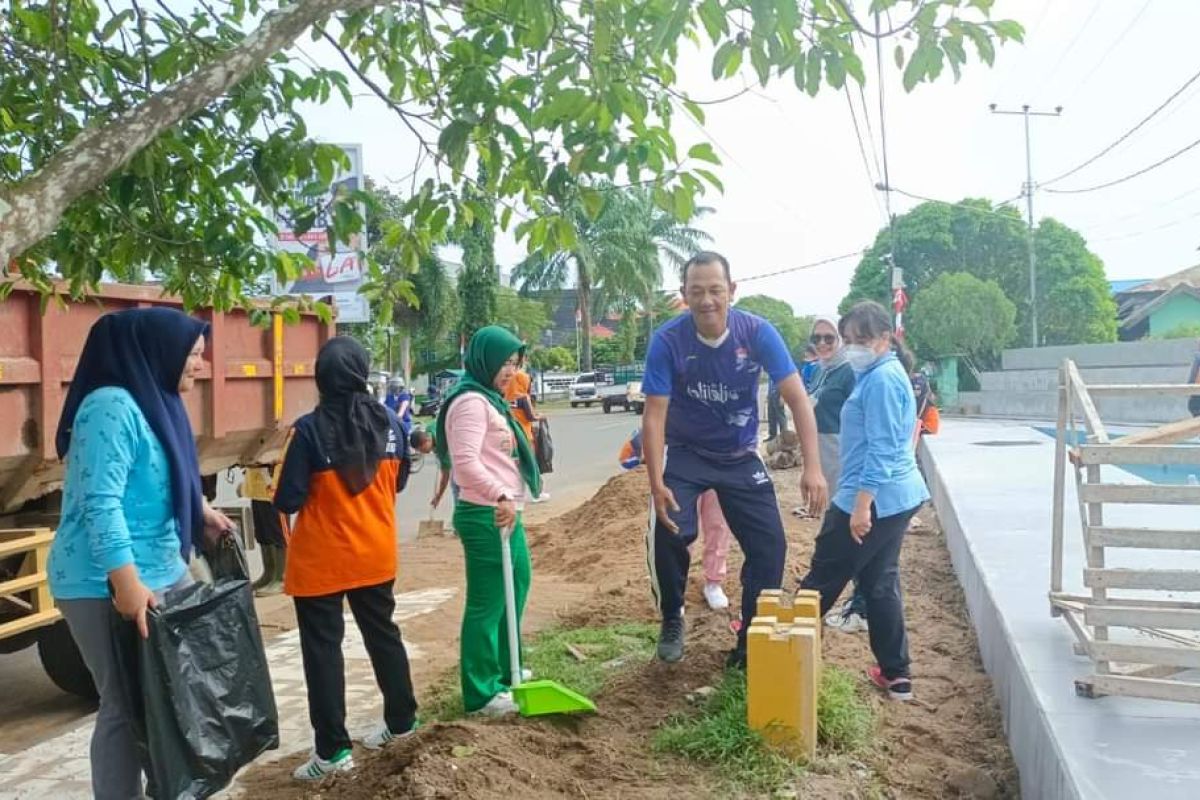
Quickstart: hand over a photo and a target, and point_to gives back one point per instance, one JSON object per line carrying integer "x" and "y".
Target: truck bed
{"x": 256, "y": 382}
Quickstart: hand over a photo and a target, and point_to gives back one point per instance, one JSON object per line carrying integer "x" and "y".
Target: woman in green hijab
{"x": 495, "y": 470}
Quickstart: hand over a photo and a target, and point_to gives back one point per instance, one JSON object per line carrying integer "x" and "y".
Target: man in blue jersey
{"x": 700, "y": 432}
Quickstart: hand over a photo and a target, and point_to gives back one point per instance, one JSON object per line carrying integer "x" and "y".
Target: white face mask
{"x": 860, "y": 357}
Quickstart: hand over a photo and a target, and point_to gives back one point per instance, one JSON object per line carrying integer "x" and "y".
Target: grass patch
{"x": 719, "y": 737}
{"x": 845, "y": 721}
{"x": 554, "y": 654}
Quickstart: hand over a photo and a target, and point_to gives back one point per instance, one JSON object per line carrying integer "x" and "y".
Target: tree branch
{"x": 32, "y": 209}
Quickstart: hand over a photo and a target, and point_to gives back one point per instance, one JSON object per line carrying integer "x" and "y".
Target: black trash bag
{"x": 543, "y": 447}
{"x": 199, "y": 687}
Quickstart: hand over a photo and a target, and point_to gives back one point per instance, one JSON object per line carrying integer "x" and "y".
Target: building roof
{"x": 1123, "y": 286}
{"x": 1148, "y": 308}
{"x": 1188, "y": 277}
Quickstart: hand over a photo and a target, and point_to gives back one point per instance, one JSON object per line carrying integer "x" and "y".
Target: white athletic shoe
{"x": 714, "y": 595}
{"x": 541, "y": 498}
{"x": 383, "y": 736}
{"x": 499, "y": 706}
{"x": 317, "y": 768}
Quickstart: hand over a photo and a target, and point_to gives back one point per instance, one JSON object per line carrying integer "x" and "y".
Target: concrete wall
{"x": 1174, "y": 352}
{"x": 1027, "y": 387}
{"x": 1182, "y": 309}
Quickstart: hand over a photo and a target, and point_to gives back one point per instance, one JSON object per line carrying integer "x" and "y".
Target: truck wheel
{"x": 607, "y": 408}
{"x": 637, "y": 408}
{"x": 63, "y": 663}
{"x": 587, "y": 405}
{"x": 574, "y": 405}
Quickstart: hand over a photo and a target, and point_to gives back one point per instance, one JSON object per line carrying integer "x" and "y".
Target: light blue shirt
{"x": 116, "y": 502}
{"x": 878, "y": 421}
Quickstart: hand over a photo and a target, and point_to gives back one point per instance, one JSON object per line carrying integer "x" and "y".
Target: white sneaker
{"x": 714, "y": 595}
{"x": 499, "y": 706}
{"x": 384, "y": 736}
{"x": 317, "y": 768}
{"x": 541, "y": 498}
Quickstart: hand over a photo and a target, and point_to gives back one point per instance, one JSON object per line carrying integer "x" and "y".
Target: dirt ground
{"x": 590, "y": 570}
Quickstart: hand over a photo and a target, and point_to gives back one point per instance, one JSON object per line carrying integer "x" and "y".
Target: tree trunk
{"x": 584, "y": 281}
{"x": 30, "y": 210}
{"x": 406, "y": 357}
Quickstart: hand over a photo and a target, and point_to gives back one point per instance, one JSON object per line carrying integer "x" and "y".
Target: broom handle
{"x": 510, "y": 607}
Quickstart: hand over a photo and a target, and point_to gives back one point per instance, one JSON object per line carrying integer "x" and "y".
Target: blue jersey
{"x": 714, "y": 389}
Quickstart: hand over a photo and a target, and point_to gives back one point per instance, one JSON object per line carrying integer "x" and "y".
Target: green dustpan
{"x": 534, "y": 698}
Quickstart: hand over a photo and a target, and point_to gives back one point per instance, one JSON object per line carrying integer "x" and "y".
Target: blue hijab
{"x": 144, "y": 351}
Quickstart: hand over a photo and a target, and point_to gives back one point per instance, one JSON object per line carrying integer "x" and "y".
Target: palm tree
{"x": 617, "y": 257}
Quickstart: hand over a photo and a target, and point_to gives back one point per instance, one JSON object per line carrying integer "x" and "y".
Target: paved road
{"x": 586, "y": 444}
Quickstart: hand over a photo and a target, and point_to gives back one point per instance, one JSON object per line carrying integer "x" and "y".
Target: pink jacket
{"x": 481, "y": 446}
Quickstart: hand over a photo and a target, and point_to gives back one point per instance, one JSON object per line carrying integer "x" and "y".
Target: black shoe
{"x": 736, "y": 659}
{"x": 670, "y": 639}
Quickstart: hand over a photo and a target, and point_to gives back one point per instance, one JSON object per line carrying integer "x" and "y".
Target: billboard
{"x": 336, "y": 271}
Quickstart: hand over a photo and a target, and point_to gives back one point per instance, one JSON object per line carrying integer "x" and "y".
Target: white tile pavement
{"x": 58, "y": 768}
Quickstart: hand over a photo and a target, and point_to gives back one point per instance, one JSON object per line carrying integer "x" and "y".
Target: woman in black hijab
{"x": 344, "y": 465}
{"x": 132, "y": 508}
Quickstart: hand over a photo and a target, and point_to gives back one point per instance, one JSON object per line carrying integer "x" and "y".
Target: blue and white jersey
{"x": 713, "y": 386}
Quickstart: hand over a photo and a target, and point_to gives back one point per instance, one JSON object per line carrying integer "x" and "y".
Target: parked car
{"x": 583, "y": 390}
{"x": 630, "y": 398}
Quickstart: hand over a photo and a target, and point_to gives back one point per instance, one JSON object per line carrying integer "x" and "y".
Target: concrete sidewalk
{"x": 59, "y": 768}
{"x": 992, "y": 486}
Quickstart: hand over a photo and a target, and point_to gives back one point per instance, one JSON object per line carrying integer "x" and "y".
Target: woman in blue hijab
{"x": 133, "y": 513}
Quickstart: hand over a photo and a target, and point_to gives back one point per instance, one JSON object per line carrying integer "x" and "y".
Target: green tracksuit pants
{"x": 483, "y": 643}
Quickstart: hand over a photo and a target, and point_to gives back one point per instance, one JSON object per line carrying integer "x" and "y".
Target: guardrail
{"x": 1127, "y": 667}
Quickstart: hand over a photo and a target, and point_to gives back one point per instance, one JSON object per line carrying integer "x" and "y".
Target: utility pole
{"x": 1027, "y": 190}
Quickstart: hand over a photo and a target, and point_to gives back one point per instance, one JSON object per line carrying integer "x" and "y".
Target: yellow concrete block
{"x": 770, "y": 602}
{"x": 782, "y": 682}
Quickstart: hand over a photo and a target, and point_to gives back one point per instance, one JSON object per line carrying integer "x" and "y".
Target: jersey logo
{"x": 760, "y": 477}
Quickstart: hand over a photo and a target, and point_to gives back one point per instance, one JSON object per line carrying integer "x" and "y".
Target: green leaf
{"x": 670, "y": 27}
{"x": 110, "y": 28}
{"x": 683, "y": 205}
{"x": 898, "y": 54}
{"x": 760, "y": 62}
{"x": 1009, "y": 29}
{"x": 983, "y": 43}
{"x": 763, "y": 14}
{"x": 854, "y": 67}
{"x": 593, "y": 202}
{"x": 453, "y": 142}
{"x": 695, "y": 110}
{"x": 711, "y": 178}
{"x": 835, "y": 70}
{"x": 724, "y": 57}
{"x": 712, "y": 16}
{"x": 917, "y": 67}
{"x": 812, "y": 77}
{"x": 704, "y": 152}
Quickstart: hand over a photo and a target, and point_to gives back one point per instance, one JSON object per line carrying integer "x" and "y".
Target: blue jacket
{"x": 116, "y": 502}
{"x": 878, "y": 420}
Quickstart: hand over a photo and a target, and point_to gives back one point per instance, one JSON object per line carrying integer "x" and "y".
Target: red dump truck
{"x": 256, "y": 381}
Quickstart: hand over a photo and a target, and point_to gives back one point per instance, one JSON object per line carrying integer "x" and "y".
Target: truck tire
{"x": 63, "y": 663}
{"x": 607, "y": 408}
{"x": 574, "y": 405}
{"x": 587, "y": 405}
{"x": 638, "y": 408}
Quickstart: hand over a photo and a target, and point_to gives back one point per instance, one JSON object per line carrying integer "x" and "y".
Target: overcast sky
{"x": 797, "y": 190}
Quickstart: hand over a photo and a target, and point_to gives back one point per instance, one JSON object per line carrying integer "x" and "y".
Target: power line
{"x": 862, "y": 98}
{"x": 1164, "y": 226}
{"x": 1045, "y": 82}
{"x": 1128, "y": 133}
{"x": 821, "y": 263}
{"x": 995, "y": 211}
{"x": 862, "y": 151}
{"x": 1131, "y": 175}
{"x": 1132, "y": 23}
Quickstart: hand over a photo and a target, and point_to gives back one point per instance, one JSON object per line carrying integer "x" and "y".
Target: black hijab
{"x": 144, "y": 351}
{"x": 351, "y": 424}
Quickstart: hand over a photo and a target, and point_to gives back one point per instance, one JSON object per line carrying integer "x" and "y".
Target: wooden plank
{"x": 1135, "y": 617}
{"x": 1143, "y": 538}
{"x": 1091, "y": 417}
{"x": 26, "y": 540}
{"x": 1095, "y": 559}
{"x": 1060, "y": 480}
{"x": 28, "y": 623}
{"x": 23, "y": 583}
{"x": 1143, "y": 389}
{"x": 1162, "y": 580}
{"x": 1121, "y": 453}
{"x": 1188, "y": 657}
{"x": 1152, "y": 688}
{"x": 1165, "y": 434}
{"x": 1150, "y": 493}
{"x": 1080, "y": 602}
